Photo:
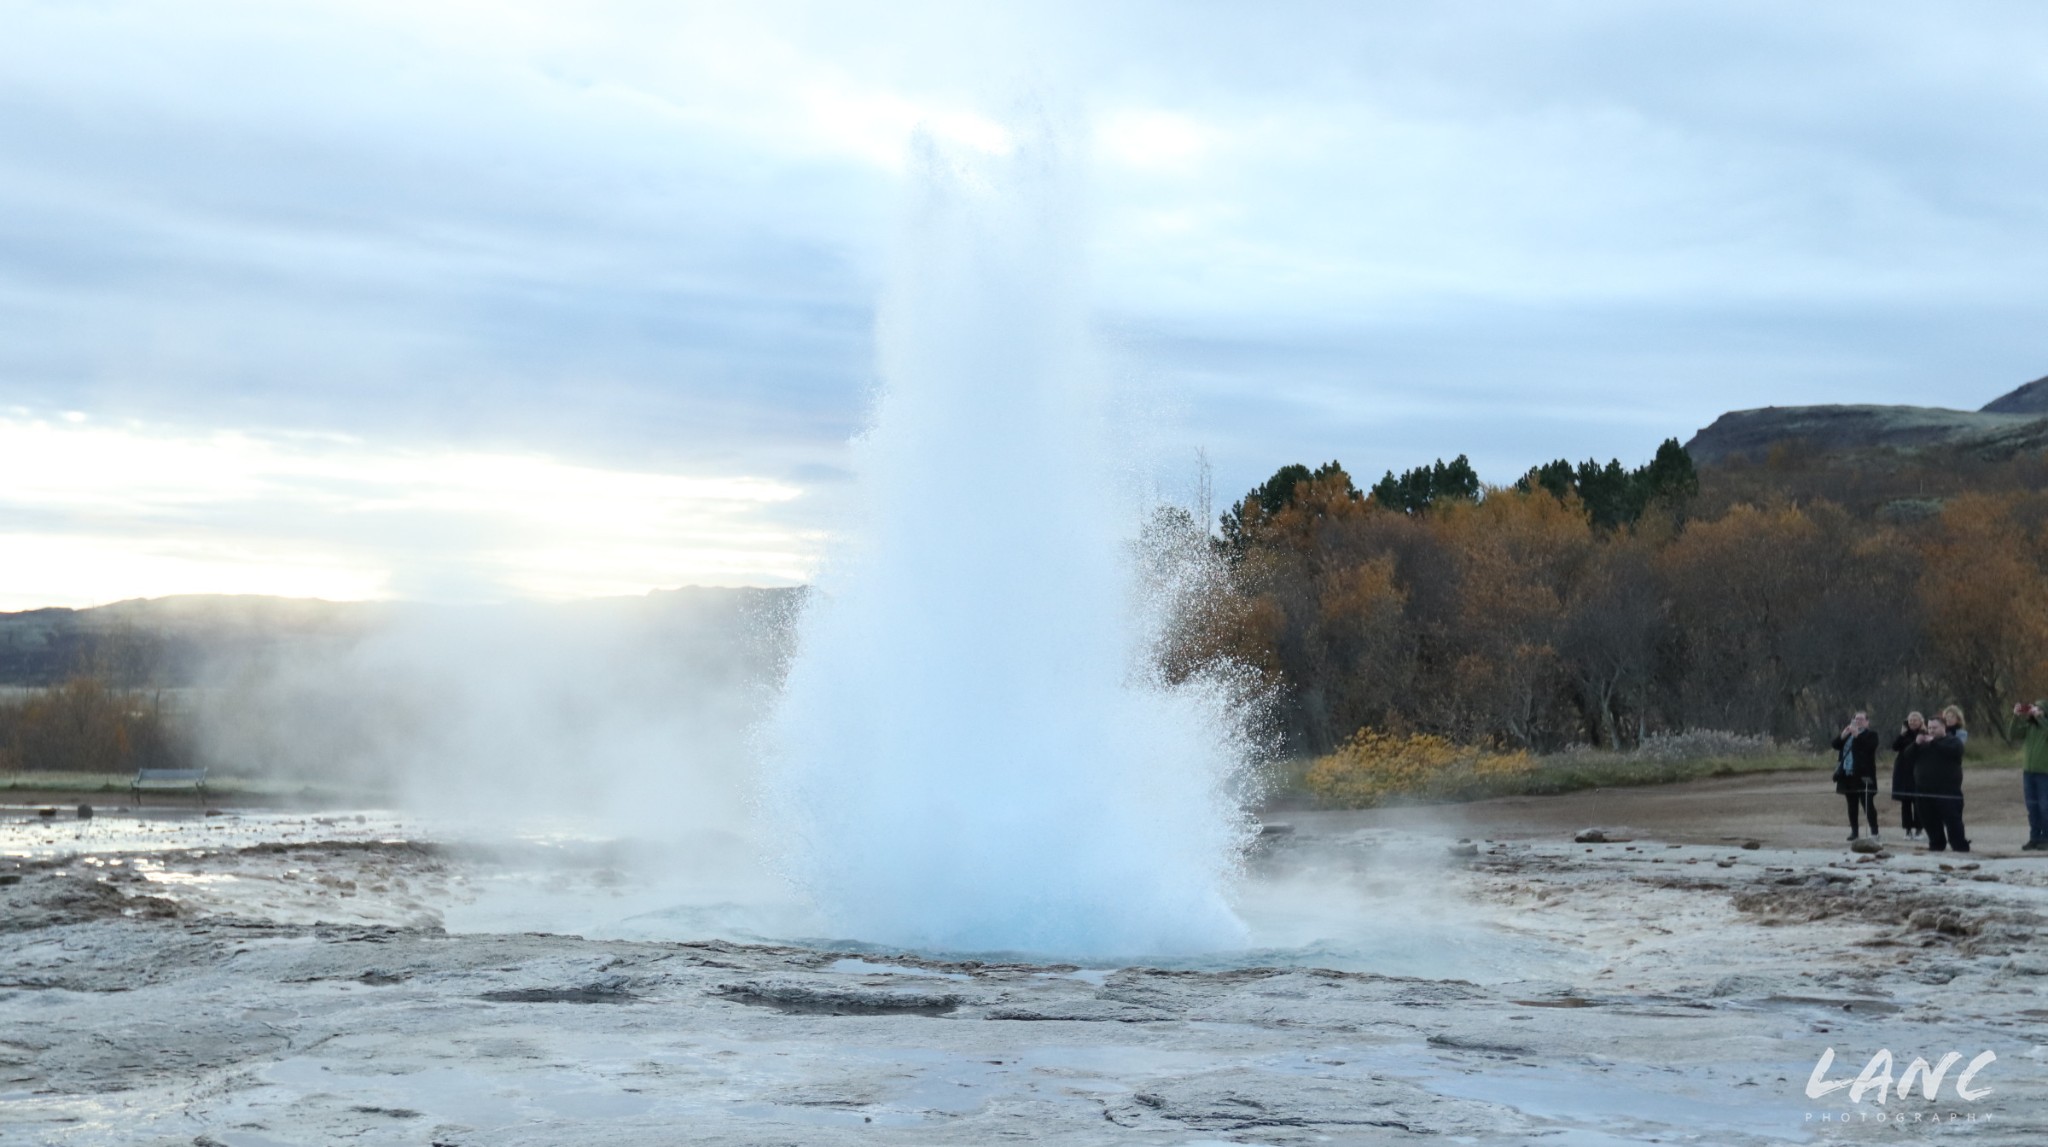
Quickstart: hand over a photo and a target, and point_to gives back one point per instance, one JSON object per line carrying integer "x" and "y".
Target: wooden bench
{"x": 168, "y": 780}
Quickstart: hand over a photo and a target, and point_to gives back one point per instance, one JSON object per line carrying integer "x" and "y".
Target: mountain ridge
{"x": 2013, "y": 422}
{"x": 174, "y": 640}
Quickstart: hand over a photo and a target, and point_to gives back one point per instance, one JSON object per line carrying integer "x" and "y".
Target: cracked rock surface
{"x": 145, "y": 1000}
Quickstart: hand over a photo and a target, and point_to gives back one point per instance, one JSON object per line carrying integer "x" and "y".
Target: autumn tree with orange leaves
{"x": 1519, "y": 619}
{"x": 1985, "y": 601}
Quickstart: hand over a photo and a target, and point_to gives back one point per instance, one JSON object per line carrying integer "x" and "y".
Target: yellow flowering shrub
{"x": 1373, "y": 767}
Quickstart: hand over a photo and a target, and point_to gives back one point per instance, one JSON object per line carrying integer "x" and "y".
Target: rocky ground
{"x": 249, "y": 981}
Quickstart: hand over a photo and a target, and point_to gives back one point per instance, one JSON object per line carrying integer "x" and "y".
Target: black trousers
{"x": 1942, "y": 817}
{"x": 1909, "y": 814}
{"x": 1866, "y": 800}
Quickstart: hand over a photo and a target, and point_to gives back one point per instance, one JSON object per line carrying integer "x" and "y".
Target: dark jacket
{"x": 1907, "y": 746}
{"x": 1862, "y": 758}
{"x": 1938, "y": 767}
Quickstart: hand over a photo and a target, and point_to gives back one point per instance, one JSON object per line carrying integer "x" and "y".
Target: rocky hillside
{"x": 2029, "y": 399}
{"x": 2006, "y": 425}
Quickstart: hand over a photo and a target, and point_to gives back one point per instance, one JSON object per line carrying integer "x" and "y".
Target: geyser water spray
{"x": 972, "y": 751}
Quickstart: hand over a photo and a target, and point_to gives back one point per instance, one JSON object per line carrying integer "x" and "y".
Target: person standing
{"x": 1952, "y": 716}
{"x": 2034, "y": 777}
{"x": 1903, "y": 786}
{"x": 1938, "y": 766}
{"x": 1856, "y": 771}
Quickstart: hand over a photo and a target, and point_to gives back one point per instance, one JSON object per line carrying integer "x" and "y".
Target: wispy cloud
{"x": 645, "y": 237}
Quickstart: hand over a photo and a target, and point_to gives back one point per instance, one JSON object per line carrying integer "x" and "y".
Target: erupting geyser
{"x": 973, "y": 752}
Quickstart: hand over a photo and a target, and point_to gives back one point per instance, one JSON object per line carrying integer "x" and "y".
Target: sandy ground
{"x": 1793, "y": 810}
{"x": 258, "y": 979}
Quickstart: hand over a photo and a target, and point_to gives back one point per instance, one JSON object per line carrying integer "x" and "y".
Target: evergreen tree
{"x": 1609, "y": 493}
{"x": 1614, "y": 497}
{"x": 1670, "y": 476}
{"x": 1276, "y": 494}
{"x": 1418, "y": 489}
{"x": 1556, "y": 477}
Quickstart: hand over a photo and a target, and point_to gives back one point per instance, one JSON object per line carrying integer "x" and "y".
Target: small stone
{"x": 1741, "y": 985}
{"x": 1752, "y": 845}
{"x": 85, "y": 812}
{"x": 1865, "y": 844}
{"x": 1464, "y": 848}
{"x": 1725, "y": 862}
{"x": 1590, "y": 836}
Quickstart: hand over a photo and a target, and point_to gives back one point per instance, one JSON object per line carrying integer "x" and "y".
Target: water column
{"x": 971, "y": 753}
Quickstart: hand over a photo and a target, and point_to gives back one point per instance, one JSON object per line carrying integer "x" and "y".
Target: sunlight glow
{"x": 93, "y": 512}
{"x": 1151, "y": 140}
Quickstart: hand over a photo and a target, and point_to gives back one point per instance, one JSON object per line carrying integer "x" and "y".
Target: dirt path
{"x": 1783, "y": 810}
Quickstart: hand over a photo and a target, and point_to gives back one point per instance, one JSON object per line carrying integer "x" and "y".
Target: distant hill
{"x": 2006, "y": 425}
{"x": 2029, "y": 399}
{"x": 174, "y": 641}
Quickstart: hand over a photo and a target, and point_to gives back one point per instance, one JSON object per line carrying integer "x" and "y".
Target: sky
{"x": 472, "y": 301}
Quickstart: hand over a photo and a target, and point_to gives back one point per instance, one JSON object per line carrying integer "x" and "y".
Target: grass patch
{"x": 1559, "y": 773}
{"x": 1571, "y": 772}
{"x": 1375, "y": 768}
{"x": 58, "y": 782}
{"x": 1287, "y": 781}
{"x": 264, "y": 789}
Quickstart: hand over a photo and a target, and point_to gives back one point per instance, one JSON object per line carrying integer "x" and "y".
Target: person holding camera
{"x": 2033, "y": 719}
{"x": 1904, "y": 787}
{"x": 1856, "y": 771}
{"x": 1938, "y": 767}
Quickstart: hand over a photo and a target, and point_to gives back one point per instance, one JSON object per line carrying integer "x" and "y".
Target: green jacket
{"x": 2037, "y": 744}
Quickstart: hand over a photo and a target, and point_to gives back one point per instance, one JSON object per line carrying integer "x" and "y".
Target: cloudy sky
{"x": 459, "y": 300}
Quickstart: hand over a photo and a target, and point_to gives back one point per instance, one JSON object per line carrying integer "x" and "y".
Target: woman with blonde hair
{"x": 1952, "y": 716}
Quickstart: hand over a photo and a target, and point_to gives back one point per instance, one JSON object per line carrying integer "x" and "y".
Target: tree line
{"x": 95, "y": 704}
{"x": 1591, "y": 603}
{"x": 86, "y": 725}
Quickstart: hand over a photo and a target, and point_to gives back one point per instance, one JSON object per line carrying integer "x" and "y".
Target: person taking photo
{"x": 2033, "y": 721}
{"x": 1856, "y": 771}
{"x": 1903, "y": 785}
{"x": 1938, "y": 766}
